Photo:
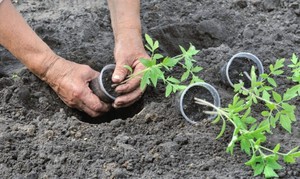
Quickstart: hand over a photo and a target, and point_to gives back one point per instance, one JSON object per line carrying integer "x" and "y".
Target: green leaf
{"x": 269, "y": 172}
{"x": 182, "y": 49}
{"x": 278, "y": 72}
{"x": 294, "y": 59}
{"x": 276, "y": 148}
{"x": 184, "y": 76}
{"x": 146, "y": 62}
{"x": 265, "y": 113}
{"x": 157, "y": 56}
{"x": 216, "y": 120}
{"x": 170, "y": 62}
{"x": 245, "y": 146}
{"x": 197, "y": 69}
{"x": 272, "y": 162}
{"x": 145, "y": 80}
{"x": 289, "y": 159}
{"x": 296, "y": 154}
{"x": 168, "y": 90}
{"x": 173, "y": 80}
{"x": 266, "y": 95}
{"x": 279, "y": 64}
{"x": 291, "y": 93}
{"x": 258, "y": 169}
{"x": 276, "y": 97}
{"x": 272, "y": 82}
{"x": 149, "y": 41}
{"x": 250, "y": 120}
{"x": 264, "y": 76}
{"x": 222, "y": 130}
{"x": 128, "y": 68}
{"x": 285, "y": 123}
{"x": 192, "y": 50}
{"x": 155, "y": 45}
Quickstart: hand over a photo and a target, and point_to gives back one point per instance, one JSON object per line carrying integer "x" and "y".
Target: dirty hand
{"x": 128, "y": 50}
{"x": 71, "y": 82}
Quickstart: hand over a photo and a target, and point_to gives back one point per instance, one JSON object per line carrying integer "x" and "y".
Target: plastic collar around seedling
{"x": 213, "y": 92}
{"x": 109, "y": 66}
{"x": 248, "y": 56}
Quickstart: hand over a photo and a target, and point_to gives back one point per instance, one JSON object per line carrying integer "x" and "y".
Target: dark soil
{"x": 107, "y": 82}
{"x": 237, "y": 69}
{"x": 42, "y": 138}
{"x": 195, "y": 111}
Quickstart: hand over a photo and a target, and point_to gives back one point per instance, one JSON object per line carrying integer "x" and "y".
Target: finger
{"x": 128, "y": 99}
{"x": 92, "y": 104}
{"x": 120, "y": 72}
{"x": 132, "y": 84}
{"x": 89, "y": 111}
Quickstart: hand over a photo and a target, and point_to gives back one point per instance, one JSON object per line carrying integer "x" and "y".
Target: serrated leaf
{"x": 149, "y": 41}
{"x": 173, "y": 80}
{"x": 278, "y": 72}
{"x": 168, "y": 90}
{"x": 184, "y": 76}
{"x": 264, "y": 75}
{"x": 245, "y": 146}
{"x": 145, "y": 80}
{"x": 266, "y": 95}
{"x": 197, "y": 69}
{"x": 285, "y": 122}
{"x": 170, "y": 62}
{"x": 265, "y": 113}
{"x": 278, "y": 64}
{"x": 155, "y": 45}
{"x": 258, "y": 169}
{"x": 269, "y": 172}
{"x": 276, "y": 97}
{"x": 192, "y": 50}
{"x": 289, "y": 159}
{"x": 294, "y": 59}
{"x": 157, "y": 56}
{"x": 146, "y": 62}
{"x": 291, "y": 93}
{"x": 272, "y": 162}
{"x": 296, "y": 154}
{"x": 182, "y": 49}
{"x": 276, "y": 148}
{"x": 272, "y": 82}
{"x": 250, "y": 120}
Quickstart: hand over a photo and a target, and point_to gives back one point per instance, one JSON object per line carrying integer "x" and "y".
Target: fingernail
{"x": 115, "y": 106}
{"x": 117, "y": 77}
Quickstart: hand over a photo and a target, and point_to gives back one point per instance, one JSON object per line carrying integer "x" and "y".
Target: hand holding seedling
{"x": 156, "y": 67}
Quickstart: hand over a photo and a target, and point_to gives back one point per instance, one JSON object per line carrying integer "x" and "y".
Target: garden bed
{"x": 41, "y": 137}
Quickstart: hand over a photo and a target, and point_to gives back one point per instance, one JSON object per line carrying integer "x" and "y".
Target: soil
{"x": 42, "y": 138}
{"x": 237, "y": 69}
{"x": 104, "y": 89}
{"x": 195, "y": 111}
{"x": 107, "y": 82}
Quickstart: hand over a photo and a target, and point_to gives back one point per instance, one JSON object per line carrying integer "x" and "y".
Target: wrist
{"x": 126, "y": 34}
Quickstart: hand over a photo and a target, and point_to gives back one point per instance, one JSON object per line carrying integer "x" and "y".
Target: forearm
{"x": 22, "y": 42}
{"x": 125, "y": 16}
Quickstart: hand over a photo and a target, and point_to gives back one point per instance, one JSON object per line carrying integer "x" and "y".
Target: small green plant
{"x": 250, "y": 131}
{"x": 15, "y": 76}
{"x": 157, "y": 66}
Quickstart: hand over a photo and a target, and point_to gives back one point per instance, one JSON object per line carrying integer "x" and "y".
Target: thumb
{"x": 120, "y": 73}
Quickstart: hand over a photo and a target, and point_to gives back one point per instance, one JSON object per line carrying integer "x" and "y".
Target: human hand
{"x": 129, "y": 49}
{"x": 71, "y": 83}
